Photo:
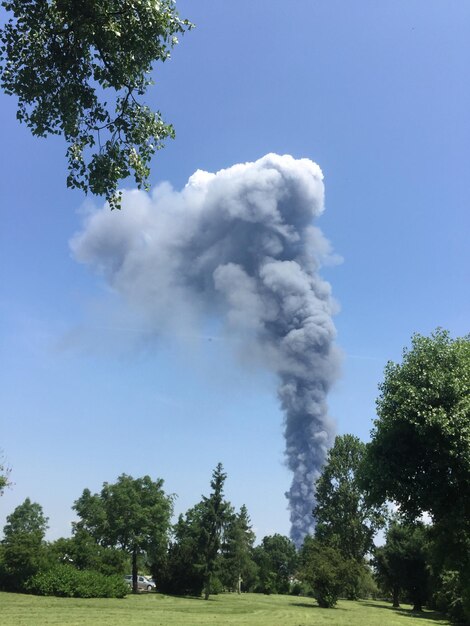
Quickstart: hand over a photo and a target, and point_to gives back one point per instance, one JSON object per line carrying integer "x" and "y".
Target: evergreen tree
{"x": 214, "y": 515}
{"x": 236, "y": 562}
{"x": 193, "y": 555}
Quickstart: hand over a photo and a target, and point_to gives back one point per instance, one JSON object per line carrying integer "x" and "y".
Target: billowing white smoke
{"x": 239, "y": 244}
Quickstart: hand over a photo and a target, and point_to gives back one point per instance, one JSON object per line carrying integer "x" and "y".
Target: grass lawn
{"x": 159, "y": 610}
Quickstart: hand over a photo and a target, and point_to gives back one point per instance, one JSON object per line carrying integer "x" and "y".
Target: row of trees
{"x": 418, "y": 459}
{"x": 128, "y": 525}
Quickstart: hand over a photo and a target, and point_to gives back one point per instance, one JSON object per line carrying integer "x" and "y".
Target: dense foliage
{"x": 276, "y": 558}
{"x": 193, "y": 557}
{"x": 419, "y": 454}
{"x": 132, "y": 515}
{"x": 324, "y": 569}
{"x": 23, "y": 549}
{"x": 78, "y": 68}
{"x": 423, "y": 421}
{"x": 402, "y": 563}
{"x": 68, "y": 582}
{"x": 237, "y": 570}
{"x": 345, "y": 521}
{"x": 85, "y": 553}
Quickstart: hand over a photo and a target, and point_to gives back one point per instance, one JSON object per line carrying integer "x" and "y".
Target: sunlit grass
{"x": 230, "y": 609}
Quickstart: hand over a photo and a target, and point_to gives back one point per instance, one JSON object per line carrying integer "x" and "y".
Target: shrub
{"x": 66, "y": 581}
{"x": 323, "y": 569}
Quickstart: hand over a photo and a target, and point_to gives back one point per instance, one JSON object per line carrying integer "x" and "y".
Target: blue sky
{"x": 377, "y": 93}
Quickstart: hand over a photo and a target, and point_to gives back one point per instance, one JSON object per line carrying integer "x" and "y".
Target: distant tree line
{"x": 418, "y": 460}
{"x": 126, "y": 527}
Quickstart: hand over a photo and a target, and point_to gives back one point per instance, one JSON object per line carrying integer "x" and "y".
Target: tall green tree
{"x": 276, "y": 558}
{"x": 79, "y": 69}
{"x": 214, "y": 515}
{"x": 182, "y": 573}
{"x": 324, "y": 569}
{"x": 401, "y": 563}
{"x": 193, "y": 556}
{"x": 23, "y": 546}
{"x": 237, "y": 567}
{"x": 345, "y": 520}
{"x": 419, "y": 453}
{"x": 132, "y": 514}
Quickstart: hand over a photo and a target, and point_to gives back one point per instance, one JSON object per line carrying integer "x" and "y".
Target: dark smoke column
{"x": 238, "y": 244}
{"x": 307, "y": 440}
{"x": 304, "y": 333}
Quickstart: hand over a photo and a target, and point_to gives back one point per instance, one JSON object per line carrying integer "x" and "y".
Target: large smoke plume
{"x": 238, "y": 244}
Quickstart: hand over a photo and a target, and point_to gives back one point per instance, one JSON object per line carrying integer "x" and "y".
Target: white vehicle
{"x": 143, "y": 583}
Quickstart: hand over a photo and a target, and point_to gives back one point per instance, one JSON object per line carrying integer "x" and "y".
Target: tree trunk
{"x": 396, "y": 603}
{"x": 239, "y": 585}
{"x": 417, "y": 606}
{"x": 135, "y": 588}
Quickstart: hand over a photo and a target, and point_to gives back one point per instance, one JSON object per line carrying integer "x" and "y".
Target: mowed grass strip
{"x": 231, "y": 609}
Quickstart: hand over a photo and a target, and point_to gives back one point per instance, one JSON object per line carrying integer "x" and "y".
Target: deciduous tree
{"x": 276, "y": 558}
{"x": 419, "y": 453}
{"x": 323, "y": 568}
{"x": 78, "y": 68}
{"x": 132, "y": 514}
{"x": 345, "y": 520}
{"x": 401, "y": 563}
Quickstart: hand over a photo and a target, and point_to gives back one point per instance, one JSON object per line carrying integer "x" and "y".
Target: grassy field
{"x": 230, "y": 609}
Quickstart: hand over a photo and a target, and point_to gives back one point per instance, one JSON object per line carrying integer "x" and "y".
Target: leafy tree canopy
{"x": 323, "y": 568}
{"x": 276, "y": 558}
{"x": 132, "y": 514}
{"x": 401, "y": 563}
{"x": 23, "y": 544}
{"x": 78, "y": 68}
{"x": 419, "y": 455}
{"x": 345, "y": 521}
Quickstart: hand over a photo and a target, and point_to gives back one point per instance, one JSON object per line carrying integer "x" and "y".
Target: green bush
{"x": 66, "y": 581}
{"x": 323, "y": 569}
{"x": 216, "y": 586}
